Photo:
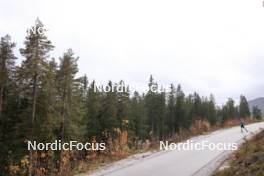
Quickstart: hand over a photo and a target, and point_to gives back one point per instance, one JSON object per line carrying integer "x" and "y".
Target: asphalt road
{"x": 182, "y": 163}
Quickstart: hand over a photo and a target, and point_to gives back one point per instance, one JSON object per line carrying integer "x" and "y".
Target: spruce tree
{"x": 7, "y": 62}
{"x": 243, "y": 107}
{"x": 180, "y": 121}
{"x": 211, "y": 110}
{"x": 108, "y": 114}
{"x": 197, "y": 106}
{"x": 170, "y": 112}
{"x": 92, "y": 118}
{"x": 151, "y": 105}
{"x": 70, "y": 104}
{"x": 8, "y": 101}
{"x": 123, "y": 105}
{"x": 160, "y": 113}
{"x": 230, "y": 109}
{"x": 138, "y": 127}
{"x": 48, "y": 112}
{"x": 70, "y": 99}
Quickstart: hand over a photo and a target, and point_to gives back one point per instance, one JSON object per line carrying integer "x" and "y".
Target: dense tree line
{"x": 43, "y": 100}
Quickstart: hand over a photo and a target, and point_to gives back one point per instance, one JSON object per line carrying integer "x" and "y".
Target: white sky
{"x": 209, "y": 46}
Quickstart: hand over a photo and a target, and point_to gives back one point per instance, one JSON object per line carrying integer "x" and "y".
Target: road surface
{"x": 182, "y": 163}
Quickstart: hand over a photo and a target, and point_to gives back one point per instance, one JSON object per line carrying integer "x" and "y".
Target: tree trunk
{"x": 61, "y": 167}
{"x": 33, "y": 117}
{"x": 1, "y": 99}
{"x": 2, "y": 82}
{"x": 34, "y": 102}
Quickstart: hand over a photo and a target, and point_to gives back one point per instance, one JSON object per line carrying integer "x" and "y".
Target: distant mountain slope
{"x": 257, "y": 102}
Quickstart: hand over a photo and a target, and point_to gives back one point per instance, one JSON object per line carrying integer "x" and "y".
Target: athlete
{"x": 242, "y": 126}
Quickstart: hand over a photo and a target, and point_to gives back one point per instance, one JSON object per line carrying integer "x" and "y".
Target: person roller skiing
{"x": 242, "y": 126}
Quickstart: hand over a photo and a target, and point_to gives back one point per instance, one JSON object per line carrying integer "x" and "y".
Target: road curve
{"x": 182, "y": 163}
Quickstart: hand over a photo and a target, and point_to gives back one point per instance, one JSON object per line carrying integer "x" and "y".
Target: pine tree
{"x": 32, "y": 71}
{"x": 37, "y": 47}
{"x": 243, "y": 107}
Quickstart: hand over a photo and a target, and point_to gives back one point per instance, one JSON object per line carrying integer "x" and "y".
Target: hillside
{"x": 257, "y": 102}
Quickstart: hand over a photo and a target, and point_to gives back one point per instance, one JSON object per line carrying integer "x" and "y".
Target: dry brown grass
{"x": 248, "y": 160}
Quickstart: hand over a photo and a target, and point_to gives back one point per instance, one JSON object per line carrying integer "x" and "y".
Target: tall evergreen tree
{"x": 70, "y": 101}
{"x": 37, "y": 47}
{"x": 161, "y": 112}
{"x": 170, "y": 112}
{"x": 151, "y": 107}
{"x": 243, "y": 107}
{"x": 229, "y": 110}
{"x": 8, "y": 98}
{"x": 138, "y": 127}
{"x": 7, "y": 62}
{"x": 211, "y": 110}
{"x": 93, "y": 106}
{"x": 179, "y": 109}
{"x": 123, "y": 105}
{"x": 32, "y": 71}
{"x": 47, "y": 106}
{"x": 108, "y": 114}
{"x": 69, "y": 97}
{"x": 197, "y": 106}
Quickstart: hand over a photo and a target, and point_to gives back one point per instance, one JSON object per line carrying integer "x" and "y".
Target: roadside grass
{"x": 248, "y": 160}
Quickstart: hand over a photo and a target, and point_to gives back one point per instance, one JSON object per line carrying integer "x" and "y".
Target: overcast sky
{"x": 208, "y": 46}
